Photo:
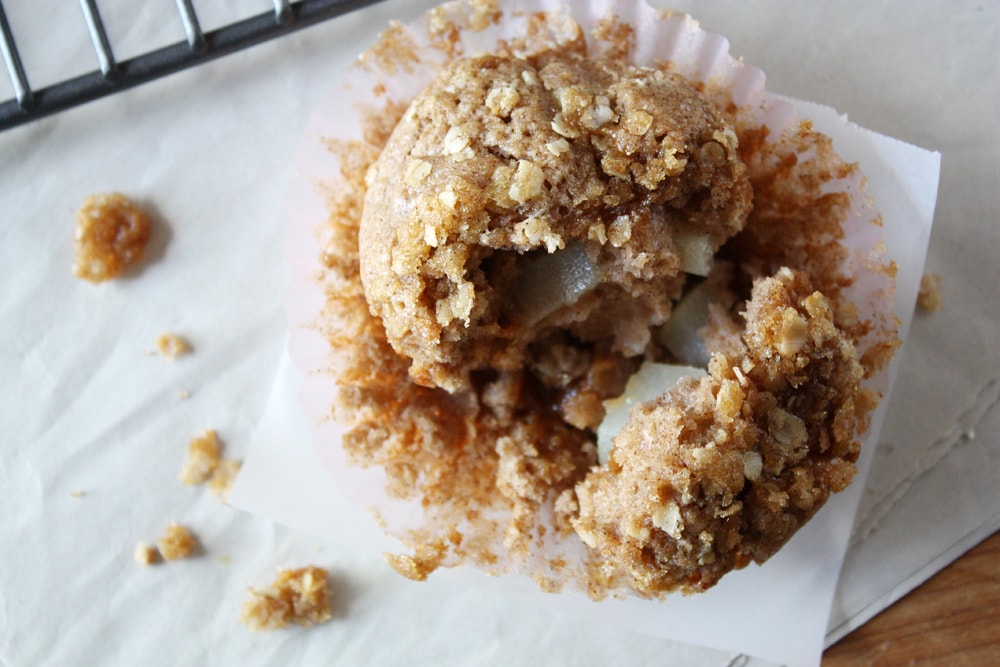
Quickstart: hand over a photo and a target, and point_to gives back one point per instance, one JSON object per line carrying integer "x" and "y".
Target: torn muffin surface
{"x": 721, "y": 471}
{"x": 521, "y": 197}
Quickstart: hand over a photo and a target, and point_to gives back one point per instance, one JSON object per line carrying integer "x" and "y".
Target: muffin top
{"x": 517, "y": 197}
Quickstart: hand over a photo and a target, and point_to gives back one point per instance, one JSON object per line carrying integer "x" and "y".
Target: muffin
{"x": 540, "y": 207}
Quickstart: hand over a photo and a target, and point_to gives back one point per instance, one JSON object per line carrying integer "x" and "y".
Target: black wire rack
{"x": 29, "y": 104}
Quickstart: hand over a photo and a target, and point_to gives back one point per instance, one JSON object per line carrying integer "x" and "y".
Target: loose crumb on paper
{"x": 146, "y": 554}
{"x": 300, "y": 596}
{"x": 929, "y": 296}
{"x": 111, "y": 233}
{"x": 177, "y": 542}
{"x": 204, "y": 453}
{"x": 183, "y": 395}
{"x": 223, "y": 478}
{"x": 172, "y": 346}
{"x": 205, "y": 464}
{"x": 78, "y": 493}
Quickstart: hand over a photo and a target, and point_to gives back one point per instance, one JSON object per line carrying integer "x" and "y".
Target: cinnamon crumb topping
{"x": 111, "y": 233}
{"x": 177, "y": 542}
{"x": 301, "y": 596}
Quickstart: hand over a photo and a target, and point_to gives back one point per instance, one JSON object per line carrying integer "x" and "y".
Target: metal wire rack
{"x": 112, "y": 76}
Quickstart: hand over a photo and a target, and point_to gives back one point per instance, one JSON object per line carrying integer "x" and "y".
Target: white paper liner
{"x": 659, "y": 37}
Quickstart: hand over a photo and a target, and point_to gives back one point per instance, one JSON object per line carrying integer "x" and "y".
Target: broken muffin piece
{"x": 722, "y": 471}
{"x": 542, "y": 194}
{"x": 172, "y": 346}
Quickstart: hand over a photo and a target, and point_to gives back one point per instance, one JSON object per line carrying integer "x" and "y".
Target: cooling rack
{"x": 29, "y": 104}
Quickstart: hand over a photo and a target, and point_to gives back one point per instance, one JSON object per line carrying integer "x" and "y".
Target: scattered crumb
{"x": 223, "y": 477}
{"x": 172, "y": 346}
{"x": 223, "y": 560}
{"x": 299, "y": 596}
{"x": 183, "y": 394}
{"x": 204, "y": 454}
{"x": 111, "y": 233}
{"x": 929, "y": 296}
{"x": 78, "y": 493}
{"x": 205, "y": 464}
{"x": 177, "y": 542}
{"x": 145, "y": 554}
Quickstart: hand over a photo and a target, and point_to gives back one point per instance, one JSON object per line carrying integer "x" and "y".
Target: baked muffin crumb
{"x": 300, "y": 596}
{"x": 111, "y": 233}
{"x": 223, "y": 478}
{"x": 929, "y": 296}
{"x": 146, "y": 554}
{"x": 177, "y": 542}
{"x": 204, "y": 453}
{"x": 172, "y": 346}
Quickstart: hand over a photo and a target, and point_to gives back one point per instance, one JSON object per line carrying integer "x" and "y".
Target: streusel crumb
{"x": 929, "y": 296}
{"x": 719, "y": 472}
{"x": 223, "y": 478}
{"x": 111, "y": 233}
{"x": 299, "y": 596}
{"x": 172, "y": 346}
{"x": 177, "y": 542}
{"x": 204, "y": 453}
{"x": 146, "y": 554}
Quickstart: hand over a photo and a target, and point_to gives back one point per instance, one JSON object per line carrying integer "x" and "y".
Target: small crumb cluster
{"x": 111, "y": 233}
{"x": 176, "y": 543}
{"x": 172, "y": 346}
{"x": 205, "y": 464}
{"x": 300, "y": 596}
{"x": 146, "y": 554}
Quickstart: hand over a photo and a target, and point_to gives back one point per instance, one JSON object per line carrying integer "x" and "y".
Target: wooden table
{"x": 953, "y": 619}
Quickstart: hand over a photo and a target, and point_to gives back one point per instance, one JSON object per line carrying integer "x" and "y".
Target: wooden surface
{"x": 953, "y": 619}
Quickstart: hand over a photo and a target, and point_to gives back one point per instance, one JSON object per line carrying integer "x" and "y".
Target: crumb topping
{"x": 172, "y": 346}
{"x": 929, "y": 296}
{"x": 506, "y": 161}
{"x": 146, "y": 554}
{"x": 722, "y": 471}
{"x": 223, "y": 478}
{"x": 203, "y": 455}
{"x": 177, "y": 543}
{"x": 111, "y": 233}
{"x": 300, "y": 596}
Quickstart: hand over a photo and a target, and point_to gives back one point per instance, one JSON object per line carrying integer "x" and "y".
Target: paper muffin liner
{"x": 393, "y": 76}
